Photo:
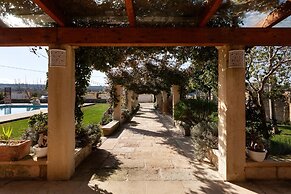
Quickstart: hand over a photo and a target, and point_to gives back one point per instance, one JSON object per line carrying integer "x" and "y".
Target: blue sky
{"x": 19, "y": 65}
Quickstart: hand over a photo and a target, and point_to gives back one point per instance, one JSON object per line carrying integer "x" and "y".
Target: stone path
{"x": 149, "y": 156}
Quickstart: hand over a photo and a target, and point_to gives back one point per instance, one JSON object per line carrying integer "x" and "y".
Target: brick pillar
{"x": 61, "y": 116}
{"x": 231, "y": 114}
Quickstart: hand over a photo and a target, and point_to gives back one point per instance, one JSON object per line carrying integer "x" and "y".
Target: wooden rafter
{"x": 276, "y": 16}
{"x": 51, "y": 10}
{"x": 130, "y": 12}
{"x": 145, "y": 36}
{"x": 2, "y": 24}
{"x": 209, "y": 12}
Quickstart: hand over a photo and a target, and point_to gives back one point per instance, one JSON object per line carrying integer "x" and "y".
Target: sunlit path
{"x": 147, "y": 156}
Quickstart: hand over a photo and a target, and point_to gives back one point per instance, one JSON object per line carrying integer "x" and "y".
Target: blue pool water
{"x": 16, "y": 108}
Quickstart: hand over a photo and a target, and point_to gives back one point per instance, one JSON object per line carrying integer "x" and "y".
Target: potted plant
{"x": 12, "y": 150}
{"x": 38, "y": 125}
{"x": 257, "y": 134}
{"x": 40, "y": 149}
{"x": 256, "y": 148}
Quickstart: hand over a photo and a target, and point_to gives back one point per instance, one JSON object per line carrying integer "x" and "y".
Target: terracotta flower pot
{"x": 13, "y": 150}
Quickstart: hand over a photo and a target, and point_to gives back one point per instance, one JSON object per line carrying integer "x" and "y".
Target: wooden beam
{"x": 2, "y": 24}
{"x": 210, "y": 10}
{"x": 276, "y": 16}
{"x": 28, "y": 36}
{"x": 130, "y": 12}
{"x": 145, "y": 36}
{"x": 51, "y": 10}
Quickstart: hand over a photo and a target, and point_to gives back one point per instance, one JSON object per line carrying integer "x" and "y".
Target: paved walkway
{"x": 149, "y": 156}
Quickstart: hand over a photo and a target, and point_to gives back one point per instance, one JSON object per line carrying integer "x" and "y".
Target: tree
{"x": 268, "y": 73}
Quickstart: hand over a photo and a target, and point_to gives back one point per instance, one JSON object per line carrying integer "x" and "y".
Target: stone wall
{"x": 281, "y": 110}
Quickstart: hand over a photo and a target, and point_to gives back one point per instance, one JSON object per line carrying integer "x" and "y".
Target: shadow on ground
{"x": 99, "y": 165}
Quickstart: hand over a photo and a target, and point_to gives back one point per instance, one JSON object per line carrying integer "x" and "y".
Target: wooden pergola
{"x": 133, "y": 34}
{"x": 139, "y": 23}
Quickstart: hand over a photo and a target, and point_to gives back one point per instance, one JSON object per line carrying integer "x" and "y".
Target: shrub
{"x": 194, "y": 111}
{"x": 107, "y": 116}
{"x": 84, "y": 135}
{"x": 204, "y": 136}
{"x": 37, "y": 124}
{"x": 199, "y": 119}
{"x": 88, "y": 135}
{"x": 134, "y": 110}
{"x": 257, "y": 135}
{"x": 126, "y": 115}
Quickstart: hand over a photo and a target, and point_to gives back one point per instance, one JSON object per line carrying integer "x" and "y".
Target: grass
{"x": 18, "y": 127}
{"x": 281, "y": 143}
{"x": 92, "y": 114}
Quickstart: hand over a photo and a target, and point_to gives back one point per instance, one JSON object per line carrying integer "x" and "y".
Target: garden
{"x": 194, "y": 69}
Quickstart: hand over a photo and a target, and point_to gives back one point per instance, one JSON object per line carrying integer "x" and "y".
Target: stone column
{"x": 117, "y": 106}
{"x": 129, "y": 100}
{"x": 61, "y": 115}
{"x": 290, "y": 109}
{"x": 231, "y": 114}
{"x": 135, "y": 100}
{"x": 165, "y": 102}
{"x": 176, "y": 97}
{"x": 159, "y": 101}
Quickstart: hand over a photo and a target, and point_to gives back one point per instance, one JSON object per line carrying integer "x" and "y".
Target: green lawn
{"x": 18, "y": 127}
{"x": 281, "y": 144}
{"x": 92, "y": 114}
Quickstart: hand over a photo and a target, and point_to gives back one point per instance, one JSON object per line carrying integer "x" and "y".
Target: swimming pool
{"x": 17, "y": 108}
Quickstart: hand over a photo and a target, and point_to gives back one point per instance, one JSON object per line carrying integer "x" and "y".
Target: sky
{"x": 20, "y": 65}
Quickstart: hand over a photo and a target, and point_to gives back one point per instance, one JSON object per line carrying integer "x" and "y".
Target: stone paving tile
{"x": 149, "y": 156}
{"x": 109, "y": 144}
{"x": 157, "y": 162}
{"x": 177, "y": 174}
{"x": 132, "y": 163}
{"x": 118, "y": 187}
{"x": 144, "y": 174}
{"x": 164, "y": 187}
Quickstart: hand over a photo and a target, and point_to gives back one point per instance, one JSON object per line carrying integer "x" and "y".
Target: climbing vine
{"x": 83, "y": 72}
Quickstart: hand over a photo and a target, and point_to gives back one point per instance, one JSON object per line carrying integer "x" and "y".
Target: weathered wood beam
{"x": 209, "y": 12}
{"x": 145, "y": 36}
{"x": 276, "y": 16}
{"x": 130, "y": 12}
{"x": 51, "y": 10}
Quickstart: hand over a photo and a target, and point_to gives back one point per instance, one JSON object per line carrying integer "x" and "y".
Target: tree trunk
{"x": 263, "y": 115}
